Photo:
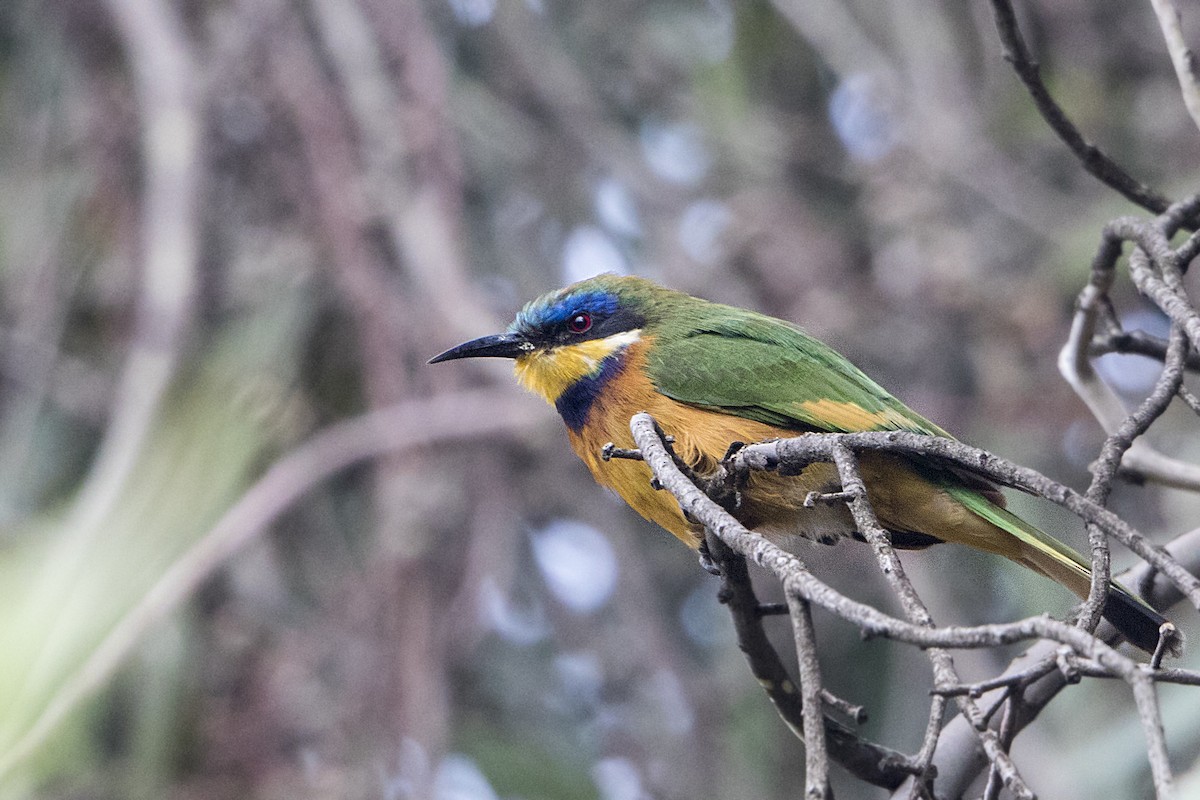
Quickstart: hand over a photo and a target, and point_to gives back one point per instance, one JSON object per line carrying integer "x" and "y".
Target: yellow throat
{"x": 550, "y": 372}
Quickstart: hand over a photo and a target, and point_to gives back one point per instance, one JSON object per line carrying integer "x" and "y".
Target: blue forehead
{"x": 554, "y": 308}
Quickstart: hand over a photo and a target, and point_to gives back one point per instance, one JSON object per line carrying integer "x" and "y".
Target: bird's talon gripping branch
{"x": 726, "y": 484}
{"x": 723, "y": 487}
{"x": 706, "y": 560}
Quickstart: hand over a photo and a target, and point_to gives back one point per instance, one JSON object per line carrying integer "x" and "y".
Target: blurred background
{"x": 231, "y": 229}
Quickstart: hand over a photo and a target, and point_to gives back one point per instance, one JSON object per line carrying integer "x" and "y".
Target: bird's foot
{"x": 706, "y": 559}
{"x": 724, "y": 484}
{"x": 732, "y": 450}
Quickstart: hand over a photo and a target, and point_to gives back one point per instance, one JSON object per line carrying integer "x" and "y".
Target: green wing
{"x": 750, "y": 365}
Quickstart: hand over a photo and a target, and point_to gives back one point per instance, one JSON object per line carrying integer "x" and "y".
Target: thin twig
{"x": 813, "y": 447}
{"x": 798, "y": 581}
{"x": 1137, "y": 343}
{"x": 1020, "y": 678}
{"x": 1104, "y": 470}
{"x": 1092, "y": 158}
{"x": 1083, "y": 668}
{"x": 1188, "y": 397}
{"x": 851, "y": 710}
{"x": 944, "y": 672}
{"x": 816, "y": 757}
{"x": 865, "y": 760}
{"x": 921, "y": 786}
{"x": 1008, "y": 731}
{"x": 1188, "y": 251}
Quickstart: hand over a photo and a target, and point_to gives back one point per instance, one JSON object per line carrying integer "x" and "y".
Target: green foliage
{"x": 73, "y": 578}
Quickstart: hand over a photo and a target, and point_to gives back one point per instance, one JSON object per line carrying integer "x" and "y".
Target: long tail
{"x": 1044, "y": 554}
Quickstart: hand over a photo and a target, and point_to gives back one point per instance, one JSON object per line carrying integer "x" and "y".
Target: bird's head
{"x": 569, "y": 336}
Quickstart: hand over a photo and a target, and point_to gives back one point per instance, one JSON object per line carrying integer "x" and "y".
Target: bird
{"x": 711, "y": 375}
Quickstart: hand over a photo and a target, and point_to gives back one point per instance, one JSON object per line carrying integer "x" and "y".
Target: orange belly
{"x": 701, "y": 439}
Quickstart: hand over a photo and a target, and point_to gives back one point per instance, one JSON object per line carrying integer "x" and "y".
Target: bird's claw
{"x": 706, "y": 560}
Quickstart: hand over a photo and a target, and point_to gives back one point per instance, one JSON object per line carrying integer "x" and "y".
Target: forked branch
{"x": 801, "y": 585}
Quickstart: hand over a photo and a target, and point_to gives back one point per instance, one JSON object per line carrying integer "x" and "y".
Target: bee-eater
{"x": 605, "y": 348}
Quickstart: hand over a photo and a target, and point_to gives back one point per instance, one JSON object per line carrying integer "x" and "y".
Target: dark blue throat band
{"x": 576, "y": 402}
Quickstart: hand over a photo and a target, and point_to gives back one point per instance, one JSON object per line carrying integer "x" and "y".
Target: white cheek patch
{"x": 600, "y": 349}
{"x": 622, "y": 339}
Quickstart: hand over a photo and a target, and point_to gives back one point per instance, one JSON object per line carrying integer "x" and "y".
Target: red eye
{"x": 581, "y": 322}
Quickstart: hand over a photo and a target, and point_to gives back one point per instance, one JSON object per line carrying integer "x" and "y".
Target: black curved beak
{"x": 501, "y": 345}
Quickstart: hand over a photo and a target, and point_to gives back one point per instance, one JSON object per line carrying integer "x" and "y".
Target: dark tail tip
{"x": 1140, "y": 624}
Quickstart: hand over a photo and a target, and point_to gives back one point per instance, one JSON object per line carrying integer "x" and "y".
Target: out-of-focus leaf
{"x": 62, "y": 590}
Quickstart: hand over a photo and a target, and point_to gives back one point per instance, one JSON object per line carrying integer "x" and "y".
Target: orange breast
{"x": 701, "y": 439}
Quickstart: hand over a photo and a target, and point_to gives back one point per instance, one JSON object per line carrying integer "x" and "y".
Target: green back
{"x": 750, "y": 365}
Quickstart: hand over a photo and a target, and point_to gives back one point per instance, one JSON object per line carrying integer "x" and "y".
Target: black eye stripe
{"x": 600, "y": 323}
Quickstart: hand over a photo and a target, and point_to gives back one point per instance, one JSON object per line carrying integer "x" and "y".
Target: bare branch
{"x": 1075, "y": 365}
{"x": 1137, "y": 343}
{"x": 959, "y": 759}
{"x": 944, "y": 672}
{"x": 1082, "y": 669}
{"x": 816, "y": 757}
{"x": 1092, "y": 158}
{"x": 817, "y": 447}
{"x": 1008, "y": 730}
{"x": 865, "y": 760}
{"x": 799, "y": 582}
{"x": 854, "y": 712}
{"x": 1104, "y": 471}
